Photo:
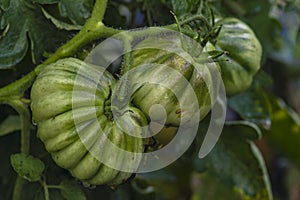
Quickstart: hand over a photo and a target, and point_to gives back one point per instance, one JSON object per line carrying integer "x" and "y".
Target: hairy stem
{"x": 127, "y": 49}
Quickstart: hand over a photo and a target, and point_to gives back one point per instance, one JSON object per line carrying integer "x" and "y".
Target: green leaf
{"x": 166, "y": 183}
{"x": 239, "y": 165}
{"x": 10, "y": 124}
{"x": 27, "y": 166}
{"x": 184, "y": 6}
{"x": 285, "y": 130}
{"x": 45, "y": 1}
{"x": 244, "y": 129}
{"x": 4, "y": 4}
{"x": 155, "y": 184}
{"x": 211, "y": 188}
{"x": 60, "y": 24}
{"x": 77, "y": 11}
{"x": 71, "y": 191}
{"x": 254, "y": 104}
{"x": 26, "y": 19}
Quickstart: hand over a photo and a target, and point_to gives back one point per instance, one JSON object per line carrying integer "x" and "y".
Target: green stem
{"x": 17, "y": 188}
{"x": 46, "y": 188}
{"x": 22, "y": 108}
{"x": 196, "y": 17}
{"x": 24, "y": 113}
{"x": 16, "y": 88}
{"x": 92, "y": 30}
{"x": 47, "y": 195}
{"x": 54, "y": 187}
{"x": 99, "y": 10}
{"x": 127, "y": 49}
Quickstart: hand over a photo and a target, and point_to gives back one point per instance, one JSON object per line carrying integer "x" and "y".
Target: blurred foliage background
{"x": 266, "y": 115}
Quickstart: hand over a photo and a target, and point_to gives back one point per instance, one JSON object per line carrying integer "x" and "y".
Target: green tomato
{"x": 185, "y": 91}
{"x": 245, "y": 52}
{"x": 65, "y": 121}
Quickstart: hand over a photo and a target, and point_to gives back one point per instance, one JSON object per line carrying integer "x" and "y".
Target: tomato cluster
{"x": 78, "y": 131}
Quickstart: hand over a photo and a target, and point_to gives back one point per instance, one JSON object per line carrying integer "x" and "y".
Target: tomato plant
{"x": 81, "y": 122}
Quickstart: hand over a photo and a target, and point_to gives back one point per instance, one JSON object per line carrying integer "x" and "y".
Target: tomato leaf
{"x": 167, "y": 183}
{"x": 60, "y": 24}
{"x": 25, "y": 20}
{"x": 71, "y": 191}
{"x": 210, "y": 187}
{"x": 27, "y": 166}
{"x": 10, "y": 124}
{"x": 239, "y": 165}
{"x": 281, "y": 124}
{"x": 77, "y": 11}
{"x": 244, "y": 129}
{"x": 45, "y": 1}
{"x": 184, "y": 6}
{"x": 254, "y": 104}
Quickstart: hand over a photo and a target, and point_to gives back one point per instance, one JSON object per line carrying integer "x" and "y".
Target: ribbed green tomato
{"x": 170, "y": 91}
{"x": 65, "y": 120}
{"x": 245, "y": 52}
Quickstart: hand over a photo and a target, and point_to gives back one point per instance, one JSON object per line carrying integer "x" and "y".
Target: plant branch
{"x": 22, "y": 108}
{"x": 46, "y": 189}
{"x": 18, "y": 188}
{"x": 99, "y": 10}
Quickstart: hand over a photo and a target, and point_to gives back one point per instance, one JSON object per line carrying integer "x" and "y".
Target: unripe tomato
{"x": 77, "y": 129}
{"x": 245, "y": 52}
{"x": 180, "y": 99}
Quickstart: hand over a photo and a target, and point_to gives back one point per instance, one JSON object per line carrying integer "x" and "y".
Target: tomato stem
{"x": 23, "y": 110}
{"x": 46, "y": 188}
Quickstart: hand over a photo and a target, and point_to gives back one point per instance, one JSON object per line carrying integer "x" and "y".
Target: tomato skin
{"x": 244, "y": 54}
{"x": 199, "y": 78}
{"x": 60, "y": 115}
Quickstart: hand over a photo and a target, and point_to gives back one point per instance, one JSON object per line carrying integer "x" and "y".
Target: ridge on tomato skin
{"x": 70, "y": 105}
{"x": 185, "y": 102}
{"x": 244, "y": 54}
